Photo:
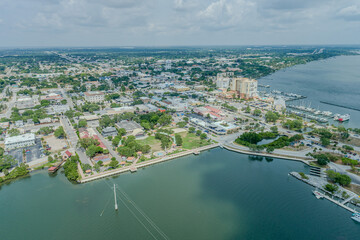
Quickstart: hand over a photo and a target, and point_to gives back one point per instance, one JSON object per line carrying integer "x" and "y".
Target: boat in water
{"x": 356, "y": 217}
{"x": 342, "y": 118}
{"x": 318, "y": 194}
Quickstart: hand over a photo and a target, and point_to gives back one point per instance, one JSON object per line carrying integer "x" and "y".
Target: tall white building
{"x": 24, "y": 140}
{"x": 94, "y": 97}
{"x": 223, "y": 80}
{"x": 246, "y": 88}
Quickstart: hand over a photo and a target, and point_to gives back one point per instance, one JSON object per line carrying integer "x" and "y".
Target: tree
{"x": 325, "y": 141}
{"x": 45, "y": 103}
{"x": 114, "y": 163}
{"x": 274, "y": 129}
{"x": 121, "y": 132}
{"x": 6, "y": 162}
{"x": 63, "y": 102}
{"x": 331, "y": 188}
{"x": 186, "y": 119}
{"x": 116, "y": 140}
{"x": 322, "y": 159}
{"x": 14, "y": 132}
{"x": 146, "y": 125}
{"x": 164, "y": 120}
{"x": 247, "y": 109}
{"x": 198, "y": 132}
{"x": 87, "y": 142}
{"x": 93, "y": 150}
{"x": 271, "y": 116}
{"x": 181, "y": 124}
{"x": 270, "y": 149}
{"x": 178, "y": 140}
{"x": 191, "y": 129}
{"x": 50, "y": 159}
{"x": 257, "y": 112}
{"x": 343, "y": 180}
{"x": 71, "y": 168}
{"x": 203, "y": 136}
{"x": 60, "y": 133}
{"x": 82, "y": 123}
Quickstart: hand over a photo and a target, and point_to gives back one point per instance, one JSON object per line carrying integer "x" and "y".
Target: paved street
{"x": 73, "y": 139}
{"x": 108, "y": 146}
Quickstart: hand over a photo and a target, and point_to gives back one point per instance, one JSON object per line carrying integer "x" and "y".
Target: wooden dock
{"x": 55, "y": 168}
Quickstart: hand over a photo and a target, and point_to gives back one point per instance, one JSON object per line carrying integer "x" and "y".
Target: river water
{"x": 216, "y": 195}
{"x": 335, "y": 80}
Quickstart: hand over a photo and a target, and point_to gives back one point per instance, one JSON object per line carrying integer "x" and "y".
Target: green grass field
{"x": 191, "y": 141}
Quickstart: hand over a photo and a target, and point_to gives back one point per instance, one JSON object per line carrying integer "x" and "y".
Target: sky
{"x": 91, "y": 23}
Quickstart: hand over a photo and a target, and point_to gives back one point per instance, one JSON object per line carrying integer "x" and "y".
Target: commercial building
{"x": 94, "y": 97}
{"x": 20, "y": 141}
{"x": 244, "y": 87}
{"x": 109, "y": 131}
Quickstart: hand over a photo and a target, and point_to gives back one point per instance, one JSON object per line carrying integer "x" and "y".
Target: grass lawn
{"x": 155, "y": 144}
{"x": 191, "y": 141}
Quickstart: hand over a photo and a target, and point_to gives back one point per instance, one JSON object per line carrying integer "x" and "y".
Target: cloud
{"x": 351, "y": 13}
{"x": 178, "y": 22}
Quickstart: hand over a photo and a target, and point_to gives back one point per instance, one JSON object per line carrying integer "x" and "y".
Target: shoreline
{"x": 296, "y": 176}
{"x": 145, "y": 164}
{"x": 291, "y": 158}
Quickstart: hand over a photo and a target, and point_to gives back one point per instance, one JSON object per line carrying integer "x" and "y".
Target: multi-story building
{"x": 24, "y": 140}
{"x": 94, "y": 97}
{"x": 223, "y": 79}
{"x": 244, "y": 87}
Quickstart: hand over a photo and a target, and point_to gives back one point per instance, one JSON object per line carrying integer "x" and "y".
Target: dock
{"x": 311, "y": 183}
{"x": 55, "y": 168}
{"x": 339, "y": 105}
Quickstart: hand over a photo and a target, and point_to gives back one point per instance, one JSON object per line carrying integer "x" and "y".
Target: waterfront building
{"x": 245, "y": 88}
{"x": 223, "y": 79}
{"x": 24, "y": 140}
{"x": 94, "y": 97}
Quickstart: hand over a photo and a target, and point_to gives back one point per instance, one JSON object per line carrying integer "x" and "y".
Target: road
{"x": 68, "y": 99}
{"x": 10, "y": 105}
{"x": 342, "y": 169}
{"x": 73, "y": 139}
{"x": 108, "y": 146}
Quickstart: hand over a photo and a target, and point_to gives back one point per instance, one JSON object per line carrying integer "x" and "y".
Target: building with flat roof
{"x": 20, "y": 141}
{"x": 244, "y": 87}
{"x": 109, "y": 131}
{"x": 94, "y": 97}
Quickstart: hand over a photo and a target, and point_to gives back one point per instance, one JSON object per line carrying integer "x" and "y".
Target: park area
{"x": 190, "y": 141}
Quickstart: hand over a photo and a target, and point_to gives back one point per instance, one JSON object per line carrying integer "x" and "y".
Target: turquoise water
{"x": 215, "y": 195}
{"x": 335, "y": 80}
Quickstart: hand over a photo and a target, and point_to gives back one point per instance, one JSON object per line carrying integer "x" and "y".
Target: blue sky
{"x": 178, "y": 22}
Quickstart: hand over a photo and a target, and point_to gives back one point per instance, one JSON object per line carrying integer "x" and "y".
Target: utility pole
{"x": 116, "y": 206}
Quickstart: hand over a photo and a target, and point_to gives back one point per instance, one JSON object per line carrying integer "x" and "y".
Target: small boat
{"x": 318, "y": 194}
{"x": 356, "y": 217}
{"x": 342, "y": 118}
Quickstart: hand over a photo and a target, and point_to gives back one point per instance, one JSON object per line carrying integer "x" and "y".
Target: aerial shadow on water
{"x": 251, "y": 187}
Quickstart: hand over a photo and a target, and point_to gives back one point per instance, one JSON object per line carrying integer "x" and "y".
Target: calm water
{"x": 335, "y": 80}
{"x": 216, "y": 195}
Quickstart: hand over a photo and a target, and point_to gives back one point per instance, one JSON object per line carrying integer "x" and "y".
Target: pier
{"x": 320, "y": 186}
{"x": 339, "y": 105}
{"x": 55, "y": 168}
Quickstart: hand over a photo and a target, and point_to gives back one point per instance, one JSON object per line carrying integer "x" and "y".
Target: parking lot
{"x": 56, "y": 144}
{"x": 31, "y": 153}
